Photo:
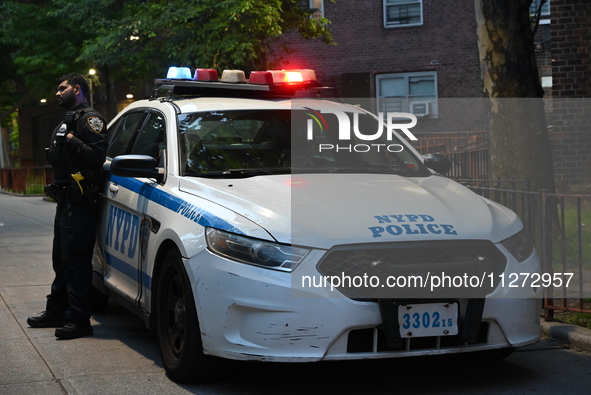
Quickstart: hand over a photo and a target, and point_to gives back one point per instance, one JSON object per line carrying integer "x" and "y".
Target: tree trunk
{"x": 519, "y": 144}
{"x": 107, "y": 93}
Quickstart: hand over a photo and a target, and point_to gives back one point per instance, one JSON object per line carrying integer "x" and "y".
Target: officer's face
{"x": 66, "y": 95}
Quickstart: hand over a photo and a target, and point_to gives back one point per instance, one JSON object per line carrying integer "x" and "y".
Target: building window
{"x": 403, "y": 13}
{"x": 415, "y": 93}
{"x": 318, "y": 6}
{"x": 545, "y": 12}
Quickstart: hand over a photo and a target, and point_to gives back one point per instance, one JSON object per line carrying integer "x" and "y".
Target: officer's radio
{"x": 69, "y": 117}
{"x": 60, "y": 136}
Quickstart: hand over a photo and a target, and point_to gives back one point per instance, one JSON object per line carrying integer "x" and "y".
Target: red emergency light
{"x": 206, "y": 75}
{"x": 261, "y": 77}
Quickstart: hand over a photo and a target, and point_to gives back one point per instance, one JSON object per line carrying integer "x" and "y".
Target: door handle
{"x": 113, "y": 188}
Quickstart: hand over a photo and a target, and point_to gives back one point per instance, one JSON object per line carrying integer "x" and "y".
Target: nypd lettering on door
{"x": 122, "y": 231}
{"x": 409, "y": 224}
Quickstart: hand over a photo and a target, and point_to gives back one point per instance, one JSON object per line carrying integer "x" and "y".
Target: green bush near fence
{"x": 569, "y": 317}
{"x": 35, "y": 185}
{"x": 569, "y": 244}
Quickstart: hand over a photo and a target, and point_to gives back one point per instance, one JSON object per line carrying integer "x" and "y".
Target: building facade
{"x": 414, "y": 55}
{"x": 571, "y": 91}
{"x": 398, "y": 52}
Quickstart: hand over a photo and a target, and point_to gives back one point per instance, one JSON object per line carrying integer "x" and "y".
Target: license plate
{"x": 428, "y": 319}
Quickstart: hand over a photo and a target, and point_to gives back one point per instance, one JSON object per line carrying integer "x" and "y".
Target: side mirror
{"x": 438, "y": 162}
{"x": 136, "y": 166}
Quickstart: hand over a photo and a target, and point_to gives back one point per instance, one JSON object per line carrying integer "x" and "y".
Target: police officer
{"x": 77, "y": 152}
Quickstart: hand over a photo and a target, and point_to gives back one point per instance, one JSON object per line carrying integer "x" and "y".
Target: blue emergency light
{"x": 179, "y": 73}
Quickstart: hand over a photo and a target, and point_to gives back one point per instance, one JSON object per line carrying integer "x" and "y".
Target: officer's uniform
{"x": 77, "y": 210}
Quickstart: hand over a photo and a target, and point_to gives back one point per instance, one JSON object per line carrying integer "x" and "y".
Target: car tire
{"x": 177, "y": 325}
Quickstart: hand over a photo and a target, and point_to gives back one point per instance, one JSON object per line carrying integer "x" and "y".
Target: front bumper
{"x": 252, "y": 313}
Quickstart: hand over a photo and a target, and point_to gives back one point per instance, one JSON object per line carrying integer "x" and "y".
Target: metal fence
{"x": 570, "y": 252}
{"x": 560, "y": 225}
{"x": 469, "y": 164}
{"x": 27, "y": 181}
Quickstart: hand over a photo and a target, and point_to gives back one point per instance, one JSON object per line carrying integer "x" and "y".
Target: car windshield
{"x": 245, "y": 143}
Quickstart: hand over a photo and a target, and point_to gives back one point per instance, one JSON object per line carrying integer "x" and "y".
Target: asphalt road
{"x": 122, "y": 357}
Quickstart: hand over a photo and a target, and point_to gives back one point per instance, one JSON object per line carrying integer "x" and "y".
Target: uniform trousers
{"x": 73, "y": 244}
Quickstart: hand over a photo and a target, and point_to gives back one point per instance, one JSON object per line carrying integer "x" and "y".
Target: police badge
{"x": 96, "y": 124}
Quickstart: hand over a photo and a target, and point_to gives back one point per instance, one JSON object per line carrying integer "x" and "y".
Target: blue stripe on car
{"x": 169, "y": 201}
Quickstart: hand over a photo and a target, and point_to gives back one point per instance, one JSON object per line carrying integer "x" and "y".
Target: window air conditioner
{"x": 420, "y": 109}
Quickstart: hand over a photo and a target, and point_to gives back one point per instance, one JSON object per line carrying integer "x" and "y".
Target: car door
{"x": 138, "y": 132}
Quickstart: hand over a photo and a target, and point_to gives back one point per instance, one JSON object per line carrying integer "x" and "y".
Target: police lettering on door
{"x": 409, "y": 224}
{"x": 122, "y": 231}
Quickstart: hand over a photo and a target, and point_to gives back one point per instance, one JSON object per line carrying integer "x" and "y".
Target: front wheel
{"x": 177, "y": 325}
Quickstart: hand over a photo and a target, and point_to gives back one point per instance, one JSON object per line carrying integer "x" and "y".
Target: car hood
{"x": 323, "y": 210}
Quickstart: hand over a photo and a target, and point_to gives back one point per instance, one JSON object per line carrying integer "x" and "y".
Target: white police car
{"x": 243, "y": 220}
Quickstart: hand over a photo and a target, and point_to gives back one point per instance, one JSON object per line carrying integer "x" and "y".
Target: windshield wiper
{"x": 243, "y": 173}
{"x": 249, "y": 172}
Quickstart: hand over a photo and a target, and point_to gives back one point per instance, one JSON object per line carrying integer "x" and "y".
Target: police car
{"x": 266, "y": 220}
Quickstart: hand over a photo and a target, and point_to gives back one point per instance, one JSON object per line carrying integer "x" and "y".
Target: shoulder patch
{"x": 96, "y": 124}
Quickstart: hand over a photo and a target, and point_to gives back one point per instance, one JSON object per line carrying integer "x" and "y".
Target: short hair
{"x": 76, "y": 79}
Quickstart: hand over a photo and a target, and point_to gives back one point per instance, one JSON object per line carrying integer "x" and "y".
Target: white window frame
{"x": 545, "y": 17}
{"x": 406, "y": 99}
{"x": 402, "y": 3}
{"x": 319, "y": 5}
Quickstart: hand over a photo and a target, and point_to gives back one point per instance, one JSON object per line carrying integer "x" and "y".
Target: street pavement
{"x": 32, "y": 360}
{"x": 122, "y": 357}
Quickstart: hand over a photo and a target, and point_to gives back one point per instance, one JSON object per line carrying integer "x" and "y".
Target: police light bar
{"x": 233, "y": 83}
{"x": 257, "y": 77}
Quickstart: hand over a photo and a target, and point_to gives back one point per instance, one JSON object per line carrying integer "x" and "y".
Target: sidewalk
{"x": 123, "y": 354}
{"x": 571, "y": 335}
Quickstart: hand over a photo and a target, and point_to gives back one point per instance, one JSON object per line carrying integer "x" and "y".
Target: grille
{"x": 374, "y": 340}
{"x": 455, "y": 269}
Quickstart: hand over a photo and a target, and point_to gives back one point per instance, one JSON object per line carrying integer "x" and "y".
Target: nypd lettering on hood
{"x": 409, "y": 224}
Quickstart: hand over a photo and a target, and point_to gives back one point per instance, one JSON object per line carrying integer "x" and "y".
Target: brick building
{"x": 413, "y": 55}
{"x": 406, "y": 57}
{"x": 571, "y": 90}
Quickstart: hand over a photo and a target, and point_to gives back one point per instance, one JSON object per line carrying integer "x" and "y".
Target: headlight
{"x": 519, "y": 245}
{"x": 253, "y": 251}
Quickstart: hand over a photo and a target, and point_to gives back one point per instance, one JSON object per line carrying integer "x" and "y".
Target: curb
{"x": 572, "y": 335}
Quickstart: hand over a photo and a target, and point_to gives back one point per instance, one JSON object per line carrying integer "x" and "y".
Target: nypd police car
{"x": 266, "y": 220}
